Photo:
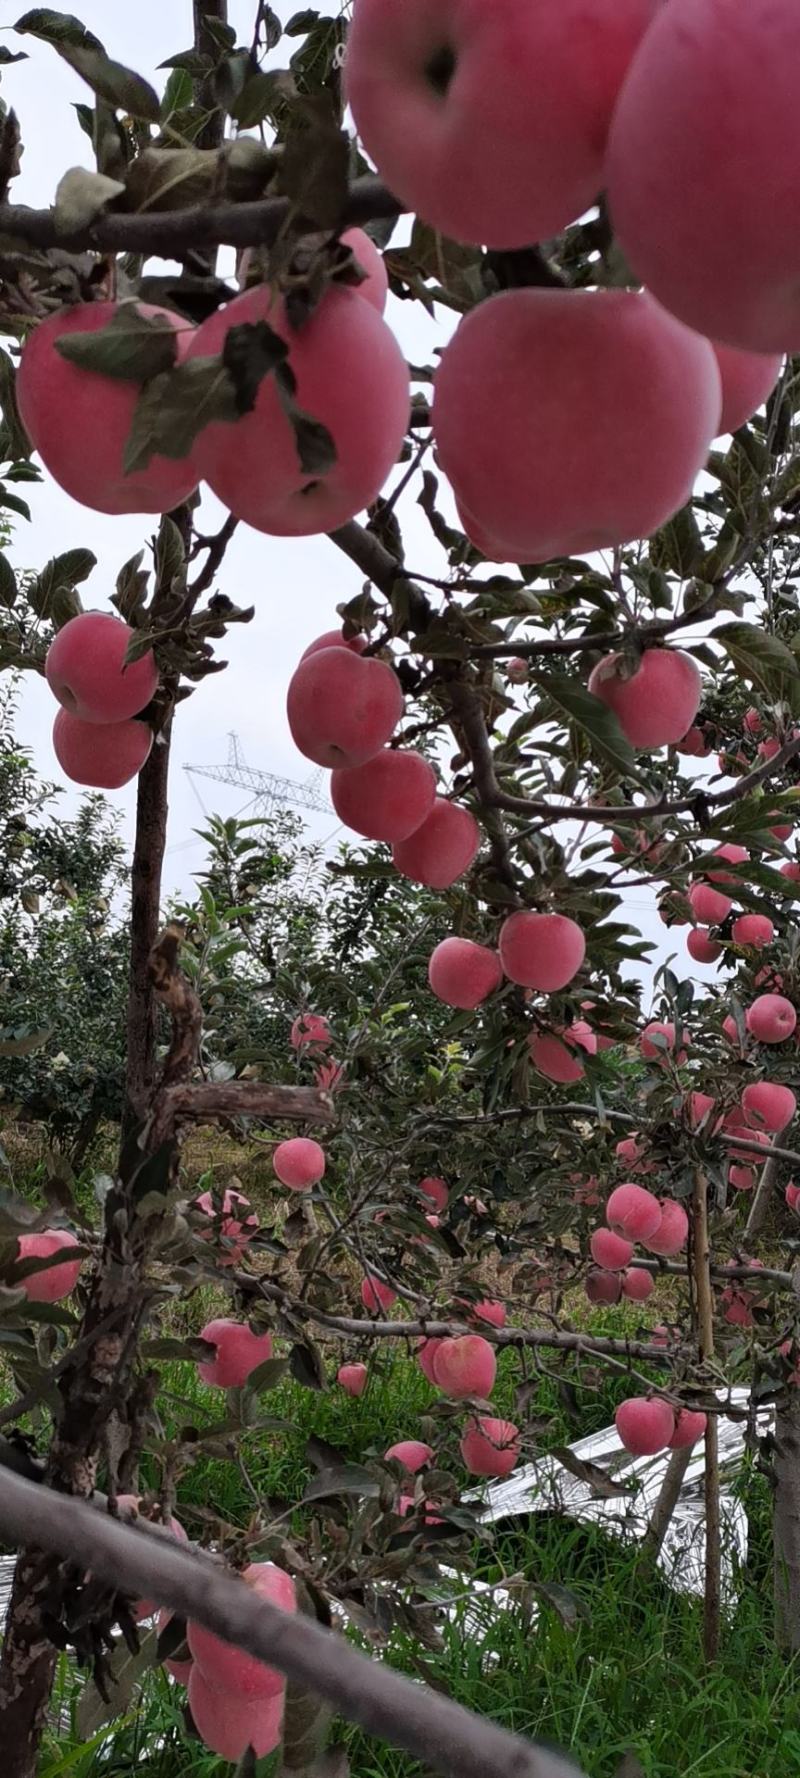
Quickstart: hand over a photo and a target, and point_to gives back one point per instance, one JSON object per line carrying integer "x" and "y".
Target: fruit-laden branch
{"x": 516, "y": 1113}
{"x": 173, "y": 232}
{"x": 583, "y": 811}
{"x": 437, "y": 1731}
{"x": 464, "y": 700}
{"x": 430, "y": 1328}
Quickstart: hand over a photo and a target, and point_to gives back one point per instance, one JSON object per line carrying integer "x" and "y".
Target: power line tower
{"x": 268, "y": 791}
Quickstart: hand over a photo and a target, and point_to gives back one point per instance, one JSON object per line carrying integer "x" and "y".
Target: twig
{"x": 427, "y": 1724}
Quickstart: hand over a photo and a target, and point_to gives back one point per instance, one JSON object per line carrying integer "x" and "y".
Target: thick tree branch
{"x": 437, "y": 1731}
{"x": 208, "y": 1102}
{"x": 173, "y": 232}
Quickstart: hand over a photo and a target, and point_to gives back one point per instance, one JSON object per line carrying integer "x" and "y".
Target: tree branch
{"x": 173, "y": 232}
{"x": 437, "y": 1731}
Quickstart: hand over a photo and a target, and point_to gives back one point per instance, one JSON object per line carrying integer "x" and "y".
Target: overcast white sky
{"x": 295, "y": 584}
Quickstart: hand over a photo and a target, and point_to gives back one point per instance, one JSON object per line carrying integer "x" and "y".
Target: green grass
{"x": 627, "y": 1675}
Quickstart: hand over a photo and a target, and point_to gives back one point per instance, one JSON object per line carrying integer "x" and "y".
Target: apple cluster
{"x": 97, "y": 738}
{"x": 237, "y": 1701}
{"x": 633, "y": 1214}
{"x": 574, "y": 420}
{"x": 647, "y": 1425}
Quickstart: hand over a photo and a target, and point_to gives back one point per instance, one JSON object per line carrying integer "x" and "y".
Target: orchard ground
{"x": 590, "y": 1676}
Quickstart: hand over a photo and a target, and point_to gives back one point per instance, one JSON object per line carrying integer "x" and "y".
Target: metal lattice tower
{"x": 268, "y": 791}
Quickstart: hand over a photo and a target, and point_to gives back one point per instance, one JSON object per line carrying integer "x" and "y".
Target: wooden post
{"x": 704, "y": 1303}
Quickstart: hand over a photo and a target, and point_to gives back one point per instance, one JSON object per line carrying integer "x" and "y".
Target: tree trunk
{"x": 661, "y": 1517}
{"x": 148, "y": 859}
{"x": 786, "y": 1524}
{"x": 704, "y": 1301}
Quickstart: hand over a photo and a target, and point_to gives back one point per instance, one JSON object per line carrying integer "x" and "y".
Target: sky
{"x": 294, "y": 584}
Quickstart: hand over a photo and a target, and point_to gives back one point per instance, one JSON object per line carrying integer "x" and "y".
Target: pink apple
{"x": 55, "y": 1282}
{"x": 101, "y": 756}
{"x": 748, "y": 378}
{"x": 465, "y": 1366}
{"x": 637, "y": 1284}
{"x": 238, "y": 1352}
{"x": 771, "y": 1018}
{"x": 463, "y": 974}
{"x": 689, "y": 1427}
{"x": 411, "y": 1453}
{"x": 230, "y": 1670}
{"x": 441, "y": 849}
{"x": 85, "y": 669}
{"x": 645, "y": 1425}
{"x": 610, "y": 1251}
{"x": 299, "y": 1163}
{"x": 388, "y": 798}
{"x": 768, "y": 1106}
{"x": 673, "y": 1231}
{"x": 352, "y": 1378}
{"x": 343, "y": 707}
{"x": 634, "y": 1212}
{"x": 569, "y": 421}
{"x": 654, "y": 704}
{"x": 490, "y": 1447}
{"x": 541, "y": 951}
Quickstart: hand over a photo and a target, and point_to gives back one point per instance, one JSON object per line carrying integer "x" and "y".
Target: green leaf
{"x": 678, "y": 546}
{"x": 18, "y": 442}
{"x": 62, "y": 573}
{"x": 133, "y": 347}
{"x": 267, "y": 1375}
{"x": 14, "y": 504}
{"x": 170, "y": 552}
{"x": 306, "y": 1366}
{"x": 7, "y": 55}
{"x": 174, "y": 407}
{"x": 8, "y": 583}
{"x": 301, "y": 22}
{"x": 762, "y": 659}
{"x": 315, "y": 164}
{"x": 80, "y": 197}
{"x": 351, "y": 1478}
{"x": 61, "y": 29}
{"x": 592, "y": 717}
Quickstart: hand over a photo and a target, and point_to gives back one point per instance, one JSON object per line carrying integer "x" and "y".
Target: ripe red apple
{"x": 748, "y": 378}
{"x": 731, "y": 855}
{"x": 673, "y": 1231}
{"x": 517, "y": 671}
{"x": 771, "y": 1018}
{"x": 737, "y": 1306}
{"x": 310, "y": 1031}
{"x": 386, "y": 799}
{"x": 335, "y": 639}
{"x": 634, "y": 1212}
{"x": 753, "y": 929}
{"x": 231, "y": 1670}
{"x": 299, "y": 1163}
{"x": 658, "y": 1052}
{"x": 637, "y": 1284}
{"x": 458, "y": 109}
{"x": 791, "y": 869}
{"x": 79, "y": 421}
{"x": 490, "y": 1447}
{"x": 343, "y": 708}
{"x": 426, "y": 1353}
{"x": 709, "y": 905}
{"x": 610, "y": 1251}
{"x": 631, "y": 1154}
{"x": 676, "y": 202}
{"x": 689, "y": 1427}
{"x": 693, "y": 743}
{"x": 702, "y": 947}
{"x": 377, "y": 1296}
{"x": 465, "y": 1366}
{"x": 238, "y": 1352}
{"x": 645, "y": 1425}
{"x": 569, "y": 421}
{"x": 767, "y": 749}
{"x": 101, "y": 756}
{"x": 554, "y": 1059}
{"x": 793, "y": 1197}
{"x": 490, "y": 1311}
{"x": 603, "y": 1287}
{"x": 352, "y": 1378}
{"x": 656, "y": 703}
{"x": 698, "y": 1108}
{"x": 52, "y": 1285}
{"x": 730, "y": 1029}
{"x": 462, "y": 973}
{"x": 351, "y": 377}
{"x": 436, "y": 1192}
{"x": 741, "y": 1178}
{"x": 411, "y": 1452}
{"x": 768, "y": 1106}
{"x": 442, "y": 849}
{"x": 229, "y": 1724}
{"x": 85, "y": 669}
{"x": 541, "y": 951}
